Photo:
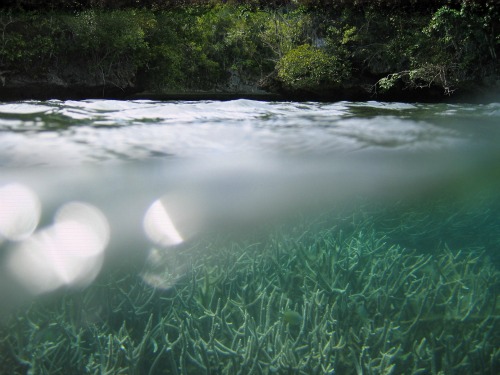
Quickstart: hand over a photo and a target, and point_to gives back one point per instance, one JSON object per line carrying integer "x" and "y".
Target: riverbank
{"x": 295, "y": 50}
{"x": 45, "y": 90}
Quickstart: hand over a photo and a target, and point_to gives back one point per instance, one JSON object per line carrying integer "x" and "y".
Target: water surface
{"x": 98, "y": 131}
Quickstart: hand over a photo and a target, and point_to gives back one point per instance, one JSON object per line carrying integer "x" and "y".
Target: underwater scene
{"x": 247, "y": 237}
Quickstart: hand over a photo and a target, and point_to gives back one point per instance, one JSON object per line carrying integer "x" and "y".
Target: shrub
{"x": 282, "y": 31}
{"x": 28, "y": 41}
{"x": 453, "y": 46}
{"x": 306, "y": 67}
{"x": 111, "y": 44}
{"x": 166, "y": 65}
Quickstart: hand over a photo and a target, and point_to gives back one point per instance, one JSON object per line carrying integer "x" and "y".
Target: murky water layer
{"x": 146, "y": 237}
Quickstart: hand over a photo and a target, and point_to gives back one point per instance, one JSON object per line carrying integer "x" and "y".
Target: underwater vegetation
{"x": 293, "y": 318}
{"x": 319, "y": 298}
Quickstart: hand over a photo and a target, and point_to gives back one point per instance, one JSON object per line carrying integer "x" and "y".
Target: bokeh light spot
{"x": 20, "y": 211}
{"x": 68, "y": 253}
{"x": 88, "y": 222}
{"x": 159, "y": 226}
{"x": 163, "y": 268}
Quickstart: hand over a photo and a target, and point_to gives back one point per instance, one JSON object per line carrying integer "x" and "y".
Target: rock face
{"x": 77, "y": 83}
{"x": 68, "y": 84}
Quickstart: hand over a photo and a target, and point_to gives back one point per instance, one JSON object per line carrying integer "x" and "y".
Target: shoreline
{"x": 482, "y": 96}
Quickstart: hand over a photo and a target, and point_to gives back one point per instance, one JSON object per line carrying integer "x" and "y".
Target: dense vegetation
{"x": 309, "y": 47}
{"x": 331, "y": 295}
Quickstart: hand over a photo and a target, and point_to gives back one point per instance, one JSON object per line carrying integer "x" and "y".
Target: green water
{"x": 249, "y": 238}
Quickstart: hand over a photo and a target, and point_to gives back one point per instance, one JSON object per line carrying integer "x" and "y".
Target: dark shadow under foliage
{"x": 422, "y": 5}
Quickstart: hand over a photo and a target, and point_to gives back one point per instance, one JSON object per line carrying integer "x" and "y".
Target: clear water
{"x": 249, "y": 237}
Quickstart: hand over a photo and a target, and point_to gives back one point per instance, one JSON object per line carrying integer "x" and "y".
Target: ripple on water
{"x": 110, "y": 130}
{"x": 24, "y": 108}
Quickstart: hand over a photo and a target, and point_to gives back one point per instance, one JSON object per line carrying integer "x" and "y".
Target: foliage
{"x": 282, "y": 32}
{"x": 212, "y": 43}
{"x": 165, "y": 60}
{"x": 168, "y": 4}
{"x": 28, "y": 41}
{"x": 452, "y": 48}
{"x": 307, "y": 67}
{"x": 112, "y": 44}
{"x": 460, "y": 39}
{"x": 166, "y": 45}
